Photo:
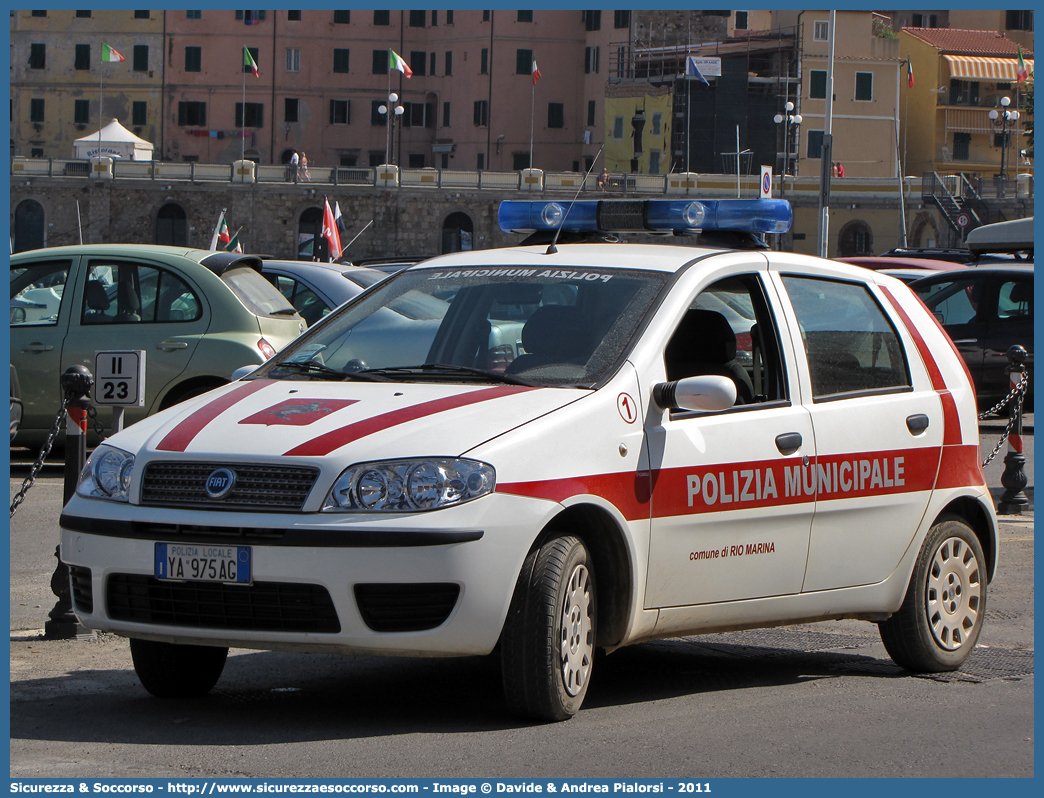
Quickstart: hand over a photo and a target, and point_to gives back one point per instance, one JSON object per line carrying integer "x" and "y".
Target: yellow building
{"x": 651, "y": 112}
{"x": 960, "y": 76}
{"x": 58, "y": 77}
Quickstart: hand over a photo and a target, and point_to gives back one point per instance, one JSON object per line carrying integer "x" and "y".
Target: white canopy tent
{"x": 115, "y": 141}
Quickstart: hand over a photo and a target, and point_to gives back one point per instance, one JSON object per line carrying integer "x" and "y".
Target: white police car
{"x": 659, "y": 440}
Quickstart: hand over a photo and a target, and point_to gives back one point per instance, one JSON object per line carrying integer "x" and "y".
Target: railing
{"x": 710, "y": 185}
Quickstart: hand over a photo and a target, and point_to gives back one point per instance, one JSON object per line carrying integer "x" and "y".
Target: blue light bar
{"x": 618, "y": 216}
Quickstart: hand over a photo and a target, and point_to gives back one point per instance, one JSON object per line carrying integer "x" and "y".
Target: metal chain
{"x": 46, "y": 450}
{"x": 92, "y": 413}
{"x": 1019, "y": 394}
{"x": 1020, "y": 388}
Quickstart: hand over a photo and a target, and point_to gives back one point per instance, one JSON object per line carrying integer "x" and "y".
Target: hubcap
{"x": 576, "y": 635}
{"x": 954, "y": 594}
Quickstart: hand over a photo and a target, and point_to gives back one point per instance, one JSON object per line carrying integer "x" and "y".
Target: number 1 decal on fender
{"x": 628, "y": 408}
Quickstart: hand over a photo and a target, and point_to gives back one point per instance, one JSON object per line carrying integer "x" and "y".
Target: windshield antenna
{"x": 551, "y": 248}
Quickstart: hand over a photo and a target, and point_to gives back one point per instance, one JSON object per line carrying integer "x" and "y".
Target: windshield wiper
{"x": 436, "y": 369}
{"x": 320, "y": 370}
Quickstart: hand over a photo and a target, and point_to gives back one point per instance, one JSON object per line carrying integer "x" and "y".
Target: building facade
{"x": 61, "y": 89}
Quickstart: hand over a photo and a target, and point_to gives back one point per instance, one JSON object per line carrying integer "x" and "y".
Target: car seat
{"x": 704, "y": 343}
{"x": 97, "y": 303}
{"x": 128, "y": 302}
{"x": 553, "y": 334}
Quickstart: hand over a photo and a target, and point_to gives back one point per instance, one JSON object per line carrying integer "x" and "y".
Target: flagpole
{"x": 242, "y": 128}
{"x": 101, "y": 78}
{"x": 532, "y": 111}
{"x": 388, "y": 117}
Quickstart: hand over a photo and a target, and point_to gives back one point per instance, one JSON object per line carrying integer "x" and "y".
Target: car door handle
{"x": 967, "y": 341}
{"x": 917, "y": 423}
{"x": 788, "y": 442}
{"x": 170, "y": 346}
{"x": 38, "y": 347}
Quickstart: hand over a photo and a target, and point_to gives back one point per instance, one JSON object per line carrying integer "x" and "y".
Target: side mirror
{"x": 707, "y": 393}
{"x": 241, "y": 372}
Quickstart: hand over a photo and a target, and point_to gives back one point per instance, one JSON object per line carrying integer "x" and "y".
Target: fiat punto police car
{"x": 659, "y": 441}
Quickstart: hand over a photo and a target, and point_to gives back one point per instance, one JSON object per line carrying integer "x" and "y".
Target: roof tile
{"x": 968, "y": 42}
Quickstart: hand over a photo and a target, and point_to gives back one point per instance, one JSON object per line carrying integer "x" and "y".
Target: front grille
{"x": 261, "y": 606}
{"x": 392, "y": 607}
{"x": 178, "y": 484}
{"x": 82, "y": 591}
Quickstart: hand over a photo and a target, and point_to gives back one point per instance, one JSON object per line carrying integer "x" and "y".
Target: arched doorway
{"x": 28, "y": 226}
{"x": 172, "y": 225}
{"x": 310, "y": 244}
{"x": 252, "y": 155}
{"x": 855, "y": 238}
{"x": 286, "y": 156}
{"x": 457, "y": 233}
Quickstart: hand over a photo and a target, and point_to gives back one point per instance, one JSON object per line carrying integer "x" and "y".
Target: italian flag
{"x": 109, "y": 54}
{"x": 248, "y": 61}
{"x": 399, "y": 64}
{"x": 1022, "y": 73}
{"x": 909, "y": 72}
{"x": 234, "y": 245}
{"x": 536, "y": 72}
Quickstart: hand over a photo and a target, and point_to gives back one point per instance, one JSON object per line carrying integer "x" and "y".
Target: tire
{"x": 170, "y": 671}
{"x": 939, "y": 622}
{"x": 548, "y": 642}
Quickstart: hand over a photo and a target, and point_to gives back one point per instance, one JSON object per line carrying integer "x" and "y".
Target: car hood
{"x": 349, "y": 422}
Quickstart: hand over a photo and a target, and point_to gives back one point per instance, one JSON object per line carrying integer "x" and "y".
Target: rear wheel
{"x": 939, "y": 622}
{"x": 548, "y": 643}
{"x": 170, "y": 671}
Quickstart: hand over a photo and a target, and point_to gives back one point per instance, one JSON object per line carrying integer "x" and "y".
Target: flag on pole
{"x": 1021, "y": 73}
{"x": 399, "y": 64}
{"x": 694, "y": 71}
{"x": 909, "y": 72}
{"x": 109, "y": 54}
{"x": 220, "y": 232}
{"x": 248, "y": 61}
{"x": 329, "y": 231}
{"x": 234, "y": 245}
{"x": 342, "y": 231}
{"x": 536, "y": 72}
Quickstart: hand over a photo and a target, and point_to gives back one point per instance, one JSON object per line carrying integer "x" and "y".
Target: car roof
{"x": 216, "y": 261}
{"x": 880, "y": 262}
{"x": 1015, "y": 270}
{"x": 651, "y": 257}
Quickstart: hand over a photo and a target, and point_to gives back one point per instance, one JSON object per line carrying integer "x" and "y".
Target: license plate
{"x": 203, "y": 563}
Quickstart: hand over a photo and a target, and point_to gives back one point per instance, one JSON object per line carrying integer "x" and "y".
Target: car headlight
{"x": 107, "y": 474}
{"x": 407, "y": 486}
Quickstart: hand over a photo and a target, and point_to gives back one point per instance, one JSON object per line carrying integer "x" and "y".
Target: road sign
{"x": 766, "y": 182}
{"x": 119, "y": 378}
{"x": 963, "y": 220}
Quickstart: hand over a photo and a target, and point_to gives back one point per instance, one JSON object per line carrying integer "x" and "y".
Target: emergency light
{"x": 662, "y": 216}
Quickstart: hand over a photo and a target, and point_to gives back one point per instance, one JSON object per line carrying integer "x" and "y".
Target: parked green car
{"x": 198, "y": 315}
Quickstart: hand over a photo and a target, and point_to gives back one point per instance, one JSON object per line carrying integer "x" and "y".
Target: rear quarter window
{"x": 851, "y": 345}
{"x": 260, "y": 296}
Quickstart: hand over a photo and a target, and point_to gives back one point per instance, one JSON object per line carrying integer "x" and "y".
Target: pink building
{"x": 471, "y": 102}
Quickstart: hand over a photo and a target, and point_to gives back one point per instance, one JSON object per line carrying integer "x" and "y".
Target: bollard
{"x": 76, "y": 383}
{"x": 1014, "y": 479}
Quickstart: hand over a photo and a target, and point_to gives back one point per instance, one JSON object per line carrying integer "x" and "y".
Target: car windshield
{"x": 550, "y": 327}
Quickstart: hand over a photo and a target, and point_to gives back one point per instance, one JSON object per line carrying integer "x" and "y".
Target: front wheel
{"x": 548, "y": 643}
{"x": 936, "y": 628}
{"x": 170, "y": 671}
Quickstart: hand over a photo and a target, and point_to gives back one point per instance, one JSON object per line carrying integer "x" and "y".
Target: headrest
{"x": 1022, "y": 291}
{"x": 97, "y": 299}
{"x": 704, "y": 336}
{"x": 557, "y": 330}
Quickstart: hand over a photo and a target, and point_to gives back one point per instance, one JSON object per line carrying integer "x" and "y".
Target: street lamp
{"x": 390, "y": 123}
{"x": 788, "y": 119}
{"x": 1000, "y": 119}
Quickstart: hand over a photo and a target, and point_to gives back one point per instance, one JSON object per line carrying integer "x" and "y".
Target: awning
{"x": 970, "y": 67}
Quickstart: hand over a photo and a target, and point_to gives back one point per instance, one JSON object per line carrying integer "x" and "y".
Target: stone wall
{"x": 406, "y": 222}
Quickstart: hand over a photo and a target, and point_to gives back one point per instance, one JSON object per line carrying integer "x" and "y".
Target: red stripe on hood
{"x": 178, "y": 439}
{"x": 324, "y": 444}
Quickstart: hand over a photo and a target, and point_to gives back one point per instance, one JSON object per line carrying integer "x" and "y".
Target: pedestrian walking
{"x": 304, "y": 167}
{"x": 840, "y": 169}
{"x": 295, "y": 159}
{"x": 603, "y": 179}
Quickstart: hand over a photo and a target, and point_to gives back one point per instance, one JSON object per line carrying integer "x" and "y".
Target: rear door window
{"x": 259, "y": 296}
{"x": 37, "y": 292}
{"x": 851, "y": 345}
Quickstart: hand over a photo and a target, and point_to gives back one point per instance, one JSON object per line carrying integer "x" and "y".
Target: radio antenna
{"x": 552, "y": 249}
